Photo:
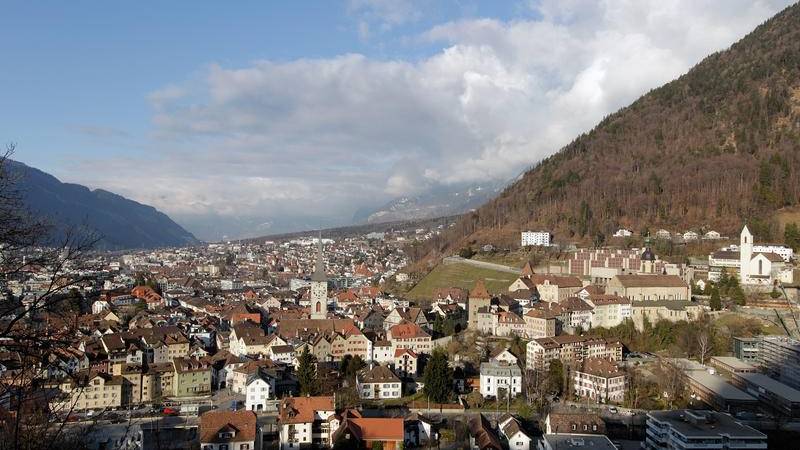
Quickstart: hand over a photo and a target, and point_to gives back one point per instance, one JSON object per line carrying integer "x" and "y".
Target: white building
{"x": 712, "y": 235}
{"x": 691, "y": 429}
{"x": 306, "y": 421}
{"x": 760, "y": 268}
{"x": 608, "y": 311}
{"x": 536, "y": 238}
{"x": 622, "y": 232}
{"x": 497, "y": 377}
{"x": 258, "y": 392}
{"x": 691, "y": 236}
{"x": 231, "y": 285}
{"x": 99, "y": 306}
{"x": 512, "y": 433}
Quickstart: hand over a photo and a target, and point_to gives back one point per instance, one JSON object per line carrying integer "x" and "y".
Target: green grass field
{"x": 460, "y": 275}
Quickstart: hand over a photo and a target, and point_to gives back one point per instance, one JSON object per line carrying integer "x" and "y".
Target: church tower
{"x": 745, "y": 255}
{"x": 319, "y": 287}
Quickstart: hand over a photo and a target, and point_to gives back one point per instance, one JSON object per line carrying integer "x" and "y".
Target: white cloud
{"x": 331, "y": 134}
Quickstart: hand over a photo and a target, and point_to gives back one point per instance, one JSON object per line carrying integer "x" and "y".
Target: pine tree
{"x": 438, "y": 377}
{"x": 716, "y": 302}
{"x": 307, "y": 373}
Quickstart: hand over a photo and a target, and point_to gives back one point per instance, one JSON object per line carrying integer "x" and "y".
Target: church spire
{"x": 319, "y": 271}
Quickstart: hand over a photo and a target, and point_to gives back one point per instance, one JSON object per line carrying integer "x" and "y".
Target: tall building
{"x": 319, "y": 287}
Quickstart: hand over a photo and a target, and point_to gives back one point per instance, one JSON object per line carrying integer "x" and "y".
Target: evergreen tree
{"x": 716, "y": 302}
{"x": 791, "y": 236}
{"x": 555, "y": 376}
{"x": 738, "y": 296}
{"x": 307, "y": 373}
{"x": 438, "y": 377}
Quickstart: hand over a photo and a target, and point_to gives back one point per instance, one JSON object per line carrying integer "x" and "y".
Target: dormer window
{"x": 226, "y": 435}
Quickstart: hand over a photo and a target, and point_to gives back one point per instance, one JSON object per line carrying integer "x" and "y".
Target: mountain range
{"x": 436, "y": 202}
{"x": 713, "y": 149}
{"x": 119, "y": 223}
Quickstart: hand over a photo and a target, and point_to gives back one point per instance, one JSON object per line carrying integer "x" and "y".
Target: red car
{"x": 170, "y": 411}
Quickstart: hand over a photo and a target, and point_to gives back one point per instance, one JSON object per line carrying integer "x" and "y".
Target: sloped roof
{"x": 301, "y": 409}
{"x": 242, "y": 422}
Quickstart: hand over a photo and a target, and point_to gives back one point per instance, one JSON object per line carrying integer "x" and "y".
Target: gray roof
{"x": 500, "y": 370}
{"x": 719, "y": 386}
{"x": 776, "y": 387}
{"x": 719, "y": 424}
{"x": 563, "y": 441}
{"x": 733, "y": 362}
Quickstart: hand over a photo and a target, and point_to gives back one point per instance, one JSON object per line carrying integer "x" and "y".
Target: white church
{"x": 755, "y": 267}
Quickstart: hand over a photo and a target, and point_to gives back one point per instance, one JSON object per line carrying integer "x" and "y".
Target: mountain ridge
{"x": 121, "y": 223}
{"x": 712, "y": 149}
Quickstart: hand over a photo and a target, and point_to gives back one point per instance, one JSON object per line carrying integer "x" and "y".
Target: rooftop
{"x": 579, "y": 441}
{"x": 776, "y": 387}
{"x": 697, "y": 424}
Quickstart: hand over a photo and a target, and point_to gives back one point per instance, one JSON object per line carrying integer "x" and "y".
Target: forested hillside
{"x": 717, "y": 147}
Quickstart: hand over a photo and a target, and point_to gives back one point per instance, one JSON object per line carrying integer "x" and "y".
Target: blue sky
{"x": 77, "y": 74}
{"x": 302, "y": 112}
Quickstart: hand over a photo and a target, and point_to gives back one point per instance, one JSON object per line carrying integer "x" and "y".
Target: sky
{"x": 234, "y": 115}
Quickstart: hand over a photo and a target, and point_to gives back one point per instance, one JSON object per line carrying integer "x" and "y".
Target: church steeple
{"x": 319, "y": 286}
{"x": 319, "y": 270}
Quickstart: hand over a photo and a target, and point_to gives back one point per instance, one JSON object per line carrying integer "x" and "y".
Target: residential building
{"x": 306, "y": 421}
{"x": 570, "y": 349}
{"x": 512, "y": 433}
{"x": 192, "y": 377}
{"x": 89, "y": 392}
{"x": 406, "y": 363}
{"x": 496, "y": 377}
{"x": 692, "y": 429}
{"x": 482, "y": 435}
{"x": 566, "y": 422}
{"x": 600, "y": 380}
{"x": 258, "y": 390}
{"x": 378, "y": 383}
{"x": 228, "y": 430}
{"x": 410, "y": 336}
{"x": 363, "y": 433}
{"x": 535, "y": 238}
{"x": 608, "y": 311}
{"x": 540, "y": 323}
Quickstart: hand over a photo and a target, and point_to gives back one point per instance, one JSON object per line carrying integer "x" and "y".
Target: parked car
{"x": 170, "y": 411}
{"x": 613, "y": 410}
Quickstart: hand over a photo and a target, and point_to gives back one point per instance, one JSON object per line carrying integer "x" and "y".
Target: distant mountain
{"x": 717, "y": 147}
{"x": 120, "y": 222}
{"x": 439, "y": 201}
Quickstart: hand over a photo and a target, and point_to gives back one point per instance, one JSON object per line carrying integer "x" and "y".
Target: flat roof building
{"x": 730, "y": 365}
{"x": 689, "y": 429}
{"x": 718, "y": 393}
{"x": 773, "y": 395}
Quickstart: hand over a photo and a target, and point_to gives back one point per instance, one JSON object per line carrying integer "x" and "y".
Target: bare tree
{"x": 703, "y": 347}
{"x": 36, "y": 326}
